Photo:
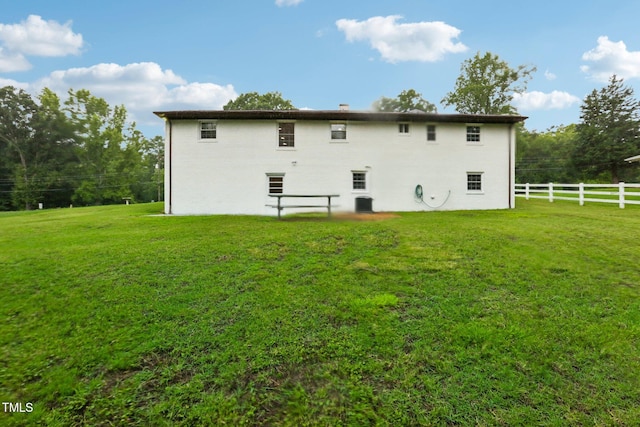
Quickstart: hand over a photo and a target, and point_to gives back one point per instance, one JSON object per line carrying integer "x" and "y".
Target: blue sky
{"x": 194, "y": 54}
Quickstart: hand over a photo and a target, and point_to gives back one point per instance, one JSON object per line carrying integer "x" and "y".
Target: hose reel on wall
{"x": 419, "y": 195}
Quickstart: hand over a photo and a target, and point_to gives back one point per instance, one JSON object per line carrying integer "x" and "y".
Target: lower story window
{"x": 359, "y": 180}
{"x": 474, "y": 181}
{"x": 276, "y": 184}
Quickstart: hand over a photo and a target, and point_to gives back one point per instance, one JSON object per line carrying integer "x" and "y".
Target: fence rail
{"x": 622, "y": 193}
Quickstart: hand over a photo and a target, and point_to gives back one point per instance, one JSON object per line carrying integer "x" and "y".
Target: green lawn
{"x": 111, "y": 316}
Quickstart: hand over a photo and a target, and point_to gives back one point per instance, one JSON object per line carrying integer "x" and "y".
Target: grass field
{"x": 112, "y": 316}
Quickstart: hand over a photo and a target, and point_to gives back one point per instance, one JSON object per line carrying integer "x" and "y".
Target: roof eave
{"x": 336, "y": 115}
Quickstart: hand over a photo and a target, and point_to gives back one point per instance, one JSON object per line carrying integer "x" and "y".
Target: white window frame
{"x": 480, "y": 182}
{"x": 364, "y": 181}
{"x": 201, "y": 130}
{"x": 331, "y": 129}
{"x": 404, "y": 129}
{"x": 434, "y": 133}
{"x": 474, "y": 137}
{"x": 280, "y": 136}
{"x": 269, "y": 182}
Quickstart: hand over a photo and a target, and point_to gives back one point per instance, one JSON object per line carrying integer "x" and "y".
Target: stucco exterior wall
{"x": 230, "y": 175}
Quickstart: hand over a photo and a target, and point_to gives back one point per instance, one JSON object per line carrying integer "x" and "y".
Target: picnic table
{"x": 311, "y": 204}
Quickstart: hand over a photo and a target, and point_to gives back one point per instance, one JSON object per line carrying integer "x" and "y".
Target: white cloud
{"x": 396, "y": 42}
{"x": 35, "y": 37}
{"x": 200, "y": 95}
{"x": 11, "y": 62}
{"x": 284, "y": 3}
{"x": 141, "y": 87}
{"x": 535, "y": 100}
{"x": 14, "y": 83}
{"x": 38, "y": 37}
{"x": 610, "y": 58}
{"x": 549, "y": 75}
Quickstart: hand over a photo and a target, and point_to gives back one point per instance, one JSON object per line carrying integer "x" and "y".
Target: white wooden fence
{"x": 623, "y": 194}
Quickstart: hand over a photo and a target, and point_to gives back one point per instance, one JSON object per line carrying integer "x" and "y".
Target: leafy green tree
{"x": 89, "y": 116}
{"x": 407, "y": 100}
{"x": 256, "y": 101}
{"x": 17, "y": 114}
{"x": 609, "y": 130}
{"x": 546, "y": 156}
{"x": 80, "y": 151}
{"x": 108, "y": 150}
{"x": 145, "y": 165}
{"x": 6, "y": 177}
{"x": 153, "y": 158}
{"x": 486, "y": 85}
{"x": 62, "y": 159}
{"x": 37, "y": 146}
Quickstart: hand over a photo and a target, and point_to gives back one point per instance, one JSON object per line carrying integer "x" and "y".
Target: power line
{"x": 69, "y": 178}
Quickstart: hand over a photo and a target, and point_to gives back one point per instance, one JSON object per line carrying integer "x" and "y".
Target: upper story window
{"x": 403, "y": 128}
{"x": 208, "y": 130}
{"x": 338, "y": 131}
{"x": 431, "y": 132}
{"x": 286, "y": 134}
{"x": 473, "y": 133}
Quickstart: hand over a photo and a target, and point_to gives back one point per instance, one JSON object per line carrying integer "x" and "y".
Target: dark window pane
{"x": 431, "y": 133}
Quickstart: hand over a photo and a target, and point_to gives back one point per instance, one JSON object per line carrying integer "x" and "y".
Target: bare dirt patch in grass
{"x": 340, "y": 216}
{"x": 375, "y": 216}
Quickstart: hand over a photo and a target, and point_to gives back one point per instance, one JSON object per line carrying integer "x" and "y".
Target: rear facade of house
{"x": 229, "y": 162}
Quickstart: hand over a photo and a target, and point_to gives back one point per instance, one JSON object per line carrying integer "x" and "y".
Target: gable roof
{"x": 346, "y": 115}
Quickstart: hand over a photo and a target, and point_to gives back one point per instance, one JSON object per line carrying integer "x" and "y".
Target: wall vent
{"x": 364, "y": 205}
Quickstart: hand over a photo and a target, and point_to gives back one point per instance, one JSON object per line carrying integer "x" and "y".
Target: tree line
{"x": 593, "y": 150}
{"x": 76, "y": 151}
{"x": 82, "y": 151}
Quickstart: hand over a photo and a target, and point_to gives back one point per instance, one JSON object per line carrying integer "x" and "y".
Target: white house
{"x": 229, "y": 162}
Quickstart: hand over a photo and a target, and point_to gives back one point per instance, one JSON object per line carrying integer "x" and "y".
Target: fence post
{"x": 551, "y": 191}
{"x": 526, "y": 191}
{"x": 621, "y": 195}
{"x": 581, "y": 193}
